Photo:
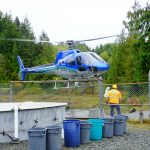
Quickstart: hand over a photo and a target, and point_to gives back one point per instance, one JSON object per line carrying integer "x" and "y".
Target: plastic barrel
{"x": 71, "y": 133}
{"x": 37, "y": 139}
{"x": 85, "y": 131}
{"x": 96, "y": 129}
{"x": 118, "y": 125}
{"x": 125, "y": 122}
{"x": 108, "y": 128}
{"x": 53, "y": 138}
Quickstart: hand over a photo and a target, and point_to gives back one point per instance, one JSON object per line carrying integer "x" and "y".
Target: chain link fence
{"x": 78, "y": 94}
{"x": 5, "y": 92}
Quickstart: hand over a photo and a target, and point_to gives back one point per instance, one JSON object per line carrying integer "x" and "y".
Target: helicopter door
{"x": 71, "y": 61}
{"x": 80, "y": 64}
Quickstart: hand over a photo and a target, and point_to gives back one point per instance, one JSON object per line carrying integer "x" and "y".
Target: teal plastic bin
{"x": 96, "y": 129}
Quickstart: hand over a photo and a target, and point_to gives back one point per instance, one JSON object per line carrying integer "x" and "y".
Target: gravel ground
{"x": 135, "y": 139}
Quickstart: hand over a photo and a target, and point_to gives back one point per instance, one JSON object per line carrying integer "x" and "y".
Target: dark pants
{"x": 112, "y": 109}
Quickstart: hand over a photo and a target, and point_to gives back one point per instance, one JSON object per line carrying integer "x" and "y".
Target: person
{"x": 114, "y": 98}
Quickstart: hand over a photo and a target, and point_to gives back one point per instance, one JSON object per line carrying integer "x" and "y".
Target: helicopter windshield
{"x": 71, "y": 61}
{"x": 90, "y": 58}
{"x": 97, "y": 57}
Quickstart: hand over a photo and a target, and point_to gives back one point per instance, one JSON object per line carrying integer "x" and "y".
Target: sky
{"x": 72, "y": 19}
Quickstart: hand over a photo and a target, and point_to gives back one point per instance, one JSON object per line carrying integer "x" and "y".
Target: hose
{"x": 14, "y": 140}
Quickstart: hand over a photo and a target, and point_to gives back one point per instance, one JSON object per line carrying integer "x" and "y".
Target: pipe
{"x": 16, "y": 121}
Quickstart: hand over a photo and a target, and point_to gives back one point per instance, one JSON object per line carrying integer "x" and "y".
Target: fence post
{"x": 11, "y": 93}
{"x": 141, "y": 116}
{"x": 100, "y": 97}
{"x": 149, "y": 91}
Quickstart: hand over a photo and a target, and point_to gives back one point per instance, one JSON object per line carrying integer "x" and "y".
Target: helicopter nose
{"x": 104, "y": 67}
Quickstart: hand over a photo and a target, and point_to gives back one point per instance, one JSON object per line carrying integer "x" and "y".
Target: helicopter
{"x": 70, "y": 64}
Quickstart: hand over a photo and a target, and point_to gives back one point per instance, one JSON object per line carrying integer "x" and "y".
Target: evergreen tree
{"x": 8, "y": 31}
{"x": 3, "y": 70}
{"x": 138, "y": 26}
{"x": 27, "y": 49}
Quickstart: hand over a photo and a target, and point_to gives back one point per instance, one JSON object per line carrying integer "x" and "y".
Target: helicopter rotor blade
{"x": 104, "y": 37}
{"x": 61, "y": 42}
{"x": 24, "y": 40}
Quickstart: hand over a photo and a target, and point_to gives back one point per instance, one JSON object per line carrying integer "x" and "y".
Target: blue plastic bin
{"x": 37, "y": 139}
{"x": 71, "y": 133}
{"x": 96, "y": 129}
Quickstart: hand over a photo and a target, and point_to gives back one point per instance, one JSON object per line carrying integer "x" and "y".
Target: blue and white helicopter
{"x": 70, "y": 64}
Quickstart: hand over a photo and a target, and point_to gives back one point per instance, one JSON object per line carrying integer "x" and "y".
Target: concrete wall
{"x": 39, "y": 117}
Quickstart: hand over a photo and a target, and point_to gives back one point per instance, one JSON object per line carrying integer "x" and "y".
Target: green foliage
{"x": 8, "y": 49}
{"x": 3, "y": 70}
{"x": 31, "y": 53}
{"x": 105, "y": 51}
{"x": 138, "y": 26}
{"x": 130, "y": 61}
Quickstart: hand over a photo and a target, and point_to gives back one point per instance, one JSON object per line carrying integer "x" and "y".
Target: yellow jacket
{"x": 114, "y": 96}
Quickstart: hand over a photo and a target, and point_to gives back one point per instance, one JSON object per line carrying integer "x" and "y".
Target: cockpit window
{"x": 71, "y": 61}
{"x": 79, "y": 60}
